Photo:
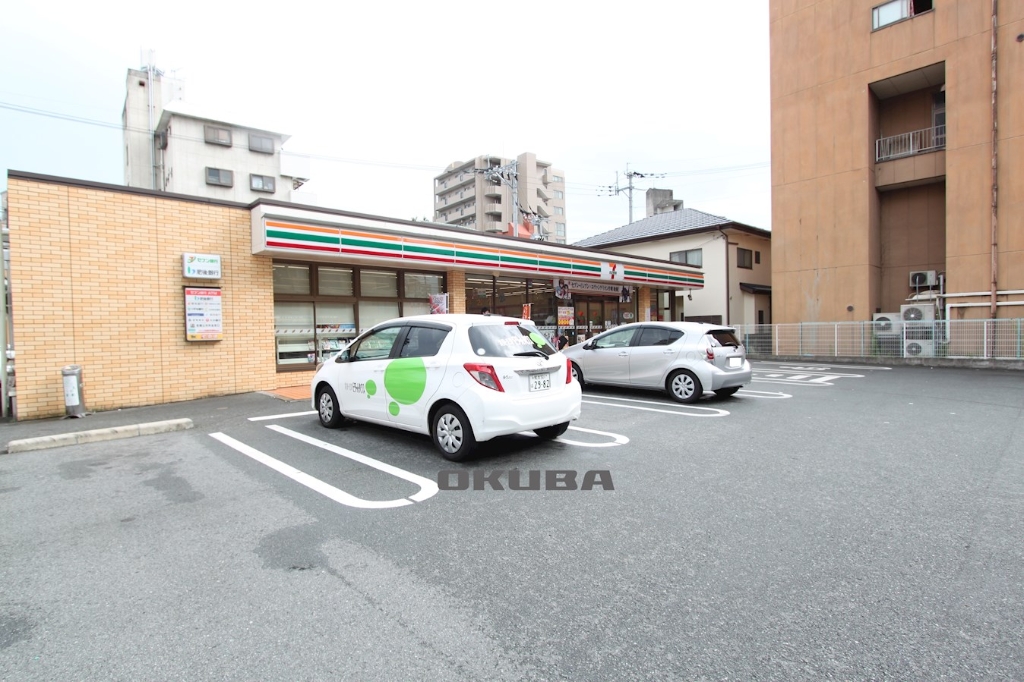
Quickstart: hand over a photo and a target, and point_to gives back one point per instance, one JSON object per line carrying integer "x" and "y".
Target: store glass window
{"x": 374, "y": 312}
{"x": 478, "y": 292}
{"x": 421, "y": 285}
{"x": 378, "y": 283}
{"x": 293, "y": 329}
{"x": 334, "y": 281}
{"x": 511, "y": 295}
{"x": 415, "y": 308}
{"x": 335, "y": 324}
{"x": 291, "y": 279}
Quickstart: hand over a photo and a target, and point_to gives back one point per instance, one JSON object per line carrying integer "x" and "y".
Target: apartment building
{"x": 478, "y": 195}
{"x": 171, "y": 146}
{"x": 892, "y": 125}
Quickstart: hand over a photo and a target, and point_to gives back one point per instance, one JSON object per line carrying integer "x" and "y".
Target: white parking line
{"x": 787, "y": 381}
{"x": 715, "y": 412}
{"x": 750, "y": 393}
{"x": 800, "y": 367}
{"x": 282, "y": 416}
{"x": 617, "y": 439}
{"x": 428, "y": 488}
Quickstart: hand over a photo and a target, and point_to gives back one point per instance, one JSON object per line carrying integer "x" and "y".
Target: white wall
{"x": 188, "y": 155}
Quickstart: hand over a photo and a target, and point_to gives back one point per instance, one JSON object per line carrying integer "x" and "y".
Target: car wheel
{"x": 327, "y": 407}
{"x": 552, "y": 432}
{"x": 452, "y": 433}
{"x": 577, "y": 374}
{"x": 726, "y": 392}
{"x": 683, "y": 386}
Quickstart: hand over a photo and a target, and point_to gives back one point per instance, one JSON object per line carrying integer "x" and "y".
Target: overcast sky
{"x": 393, "y": 92}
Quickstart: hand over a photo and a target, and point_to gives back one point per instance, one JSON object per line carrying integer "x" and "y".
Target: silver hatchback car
{"x": 682, "y": 358}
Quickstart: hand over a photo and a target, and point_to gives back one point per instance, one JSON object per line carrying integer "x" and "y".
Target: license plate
{"x": 540, "y": 382}
{"x": 735, "y": 362}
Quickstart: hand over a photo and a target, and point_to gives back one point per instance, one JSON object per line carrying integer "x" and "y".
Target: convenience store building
{"x": 161, "y": 297}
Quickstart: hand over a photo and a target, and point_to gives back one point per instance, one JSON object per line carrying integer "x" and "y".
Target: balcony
{"x": 493, "y": 226}
{"x": 492, "y": 190}
{"x": 909, "y": 144}
{"x": 492, "y": 207}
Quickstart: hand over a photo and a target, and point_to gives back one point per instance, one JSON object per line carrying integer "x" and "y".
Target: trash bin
{"x": 74, "y": 402}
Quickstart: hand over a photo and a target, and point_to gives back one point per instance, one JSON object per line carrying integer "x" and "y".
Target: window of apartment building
{"x": 692, "y": 257}
{"x": 897, "y": 10}
{"x": 557, "y": 178}
{"x": 219, "y": 176}
{"x": 261, "y": 144}
{"x": 261, "y": 183}
{"x": 216, "y": 135}
{"x": 559, "y": 194}
{"x": 757, "y": 257}
{"x": 559, "y": 210}
{"x": 560, "y": 230}
{"x": 744, "y": 258}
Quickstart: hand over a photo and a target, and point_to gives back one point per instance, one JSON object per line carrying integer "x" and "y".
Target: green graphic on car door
{"x": 405, "y": 380}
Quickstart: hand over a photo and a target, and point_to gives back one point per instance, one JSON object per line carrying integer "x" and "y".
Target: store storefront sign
{"x": 201, "y": 265}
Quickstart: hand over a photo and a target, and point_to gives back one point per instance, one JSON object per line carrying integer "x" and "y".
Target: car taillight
{"x": 568, "y": 371}
{"x": 711, "y": 355}
{"x": 484, "y": 375}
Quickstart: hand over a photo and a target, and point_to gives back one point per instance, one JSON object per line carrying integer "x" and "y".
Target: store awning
{"x": 286, "y": 231}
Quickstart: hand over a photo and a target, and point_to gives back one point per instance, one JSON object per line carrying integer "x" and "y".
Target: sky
{"x": 386, "y": 95}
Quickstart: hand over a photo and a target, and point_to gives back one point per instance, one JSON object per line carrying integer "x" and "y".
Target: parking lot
{"x": 827, "y": 522}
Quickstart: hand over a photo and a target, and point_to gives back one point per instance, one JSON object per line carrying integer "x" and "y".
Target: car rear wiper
{"x": 532, "y": 354}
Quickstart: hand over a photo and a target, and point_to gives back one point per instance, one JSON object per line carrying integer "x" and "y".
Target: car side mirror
{"x": 589, "y": 345}
{"x": 342, "y": 356}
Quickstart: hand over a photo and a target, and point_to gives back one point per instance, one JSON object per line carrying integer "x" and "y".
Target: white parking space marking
{"x": 790, "y": 382}
{"x": 428, "y": 488}
{"x": 282, "y": 416}
{"x": 819, "y": 368}
{"x": 750, "y": 393}
{"x": 616, "y": 438}
{"x": 711, "y": 411}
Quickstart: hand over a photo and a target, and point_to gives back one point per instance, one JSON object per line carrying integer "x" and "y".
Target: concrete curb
{"x": 97, "y": 435}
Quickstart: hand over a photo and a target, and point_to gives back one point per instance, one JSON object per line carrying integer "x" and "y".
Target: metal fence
{"x": 959, "y": 339}
{"x": 906, "y": 144}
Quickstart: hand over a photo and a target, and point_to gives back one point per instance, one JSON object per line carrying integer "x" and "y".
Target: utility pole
{"x": 508, "y": 175}
{"x": 616, "y": 190}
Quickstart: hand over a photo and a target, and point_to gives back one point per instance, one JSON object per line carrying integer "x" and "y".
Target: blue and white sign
{"x": 201, "y": 265}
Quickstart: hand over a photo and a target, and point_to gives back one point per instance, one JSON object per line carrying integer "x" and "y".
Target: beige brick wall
{"x": 96, "y": 280}
{"x": 456, "y": 291}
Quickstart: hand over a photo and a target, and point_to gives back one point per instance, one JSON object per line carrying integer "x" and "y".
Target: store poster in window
{"x": 438, "y": 304}
{"x": 562, "y": 290}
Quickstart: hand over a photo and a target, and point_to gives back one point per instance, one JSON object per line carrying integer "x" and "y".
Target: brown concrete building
{"x": 885, "y": 149}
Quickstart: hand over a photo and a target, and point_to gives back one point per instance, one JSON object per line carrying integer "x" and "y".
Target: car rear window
{"x": 723, "y": 337}
{"x": 508, "y": 340}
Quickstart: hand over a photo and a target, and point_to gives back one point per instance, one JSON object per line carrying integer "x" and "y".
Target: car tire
{"x": 683, "y": 386}
{"x": 552, "y": 432}
{"x": 577, "y": 374}
{"x": 727, "y": 392}
{"x": 327, "y": 408}
{"x": 452, "y": 434}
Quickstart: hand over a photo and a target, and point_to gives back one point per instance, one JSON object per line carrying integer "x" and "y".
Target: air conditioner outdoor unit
{"x": 917, "y": 312}
{"x": 887, "y": 324}
{"x": 918, "y": 348}
{"x": 923, "y": 278}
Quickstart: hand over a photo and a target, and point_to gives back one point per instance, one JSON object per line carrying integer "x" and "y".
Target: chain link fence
{"x": 955, "y": 339}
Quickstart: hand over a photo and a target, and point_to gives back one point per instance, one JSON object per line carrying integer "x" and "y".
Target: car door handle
{"x": 669, "y": 352}
{"x": 623, "y": 354}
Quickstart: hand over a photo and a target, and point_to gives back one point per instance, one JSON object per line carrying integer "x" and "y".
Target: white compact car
{"x": 684, "y": 359}
{"x": 462, "y": 379}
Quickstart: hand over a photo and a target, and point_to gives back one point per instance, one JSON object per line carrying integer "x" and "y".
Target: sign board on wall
{"x": 204, "y": 320}
{"x": 200, "y": 265}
